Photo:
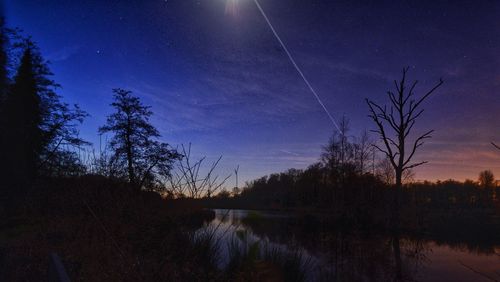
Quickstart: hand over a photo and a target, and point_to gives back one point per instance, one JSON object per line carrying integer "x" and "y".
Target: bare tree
{"x": 339, "y": 153}
{"x": 363, "y": 148}
{"x": 395, "y": 123}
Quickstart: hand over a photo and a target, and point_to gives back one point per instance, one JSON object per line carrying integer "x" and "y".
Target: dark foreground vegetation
{"x": 104, "y": 231}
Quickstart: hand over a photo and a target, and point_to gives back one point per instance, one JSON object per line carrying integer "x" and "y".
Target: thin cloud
{"x": 63, "y": 54}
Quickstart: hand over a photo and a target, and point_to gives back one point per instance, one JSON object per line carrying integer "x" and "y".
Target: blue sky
{"x": 223, "y": 83}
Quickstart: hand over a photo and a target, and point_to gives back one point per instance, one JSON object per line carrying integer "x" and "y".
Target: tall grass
{"x": 247, "y": 259}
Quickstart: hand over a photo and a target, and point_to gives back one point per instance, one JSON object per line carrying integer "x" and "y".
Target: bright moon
{"x": 232, "y": 7}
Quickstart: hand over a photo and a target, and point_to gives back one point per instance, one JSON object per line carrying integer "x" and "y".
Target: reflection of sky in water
{"x": 434, "y": 263}
{"x": 228, "y": 222}
{"x": 445, "y": 265}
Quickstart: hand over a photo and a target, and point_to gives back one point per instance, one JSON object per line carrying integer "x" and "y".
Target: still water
{"x": 326, "y": 254}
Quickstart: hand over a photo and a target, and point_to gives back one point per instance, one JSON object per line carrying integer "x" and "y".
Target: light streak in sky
{"x": 292, "y": 60}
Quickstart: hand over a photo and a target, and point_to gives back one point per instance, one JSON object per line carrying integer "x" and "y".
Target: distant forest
{"x": 357, "y": 186}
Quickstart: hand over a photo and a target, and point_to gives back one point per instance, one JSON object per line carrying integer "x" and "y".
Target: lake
{"x": 324, "y": 253}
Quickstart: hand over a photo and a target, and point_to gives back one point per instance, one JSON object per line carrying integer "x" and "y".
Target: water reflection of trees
{"x": 346, "y": 255}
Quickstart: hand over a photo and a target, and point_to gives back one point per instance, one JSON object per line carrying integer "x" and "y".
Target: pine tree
{"x": 36, "y": 124}
{"x": 23, "y": 136}
{"x": 3, "y": 93}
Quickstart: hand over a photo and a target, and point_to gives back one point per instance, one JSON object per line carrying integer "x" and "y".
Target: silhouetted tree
{"x": 486, "y": 179}
{"x": 3, "y": 96}
{"x": 40, "y": 127}
{"x": 134, "y": 141}
{"x": 64, "y": 163}
{"x": 338, "y": 155}
{"x": 157, "y": 160}
{"x": 394, "y": 125}
{"x": 363, "y": 152}
{"x": 22, "y": 139}
{"x": 104, "y": 161}
{"x": 385, "y": 172}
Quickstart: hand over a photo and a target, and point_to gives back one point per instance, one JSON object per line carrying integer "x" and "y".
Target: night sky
{"x": 221, "y": 80}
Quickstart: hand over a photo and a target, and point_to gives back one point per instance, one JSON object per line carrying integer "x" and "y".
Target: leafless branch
{"x": 418, "y": 142}
{"x": 495, "y": 145}
{"x": 189, "y": 179}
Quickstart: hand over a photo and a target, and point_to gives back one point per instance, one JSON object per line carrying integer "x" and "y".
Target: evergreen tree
{"x": 37, "y": 127}
{"x": 22, "y": 142}
{"x": 3, "y": 93}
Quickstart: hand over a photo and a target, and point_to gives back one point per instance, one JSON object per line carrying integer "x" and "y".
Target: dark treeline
{"x": 312, "y": 188}
{"x": 348, "y": 188}
{"x": 351, "y": 179}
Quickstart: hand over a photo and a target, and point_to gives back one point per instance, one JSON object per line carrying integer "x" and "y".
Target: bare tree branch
{"x": 418, "y": 142}
{"x": 495, "y": 145}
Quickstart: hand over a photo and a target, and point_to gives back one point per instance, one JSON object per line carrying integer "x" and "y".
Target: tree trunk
{"x": 396, "y": 225}
{"x": 131, "y": 176}
{"x": 396, "y": 204}
{"x": 130, "y": 158}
